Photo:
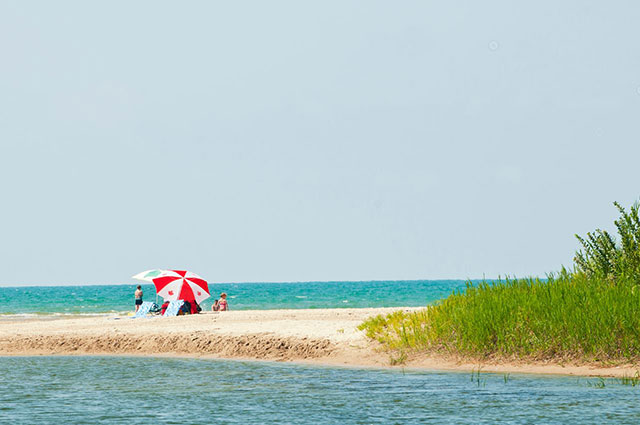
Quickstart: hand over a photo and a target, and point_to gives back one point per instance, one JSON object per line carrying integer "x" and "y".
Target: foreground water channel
{"x": 125, "y": 390}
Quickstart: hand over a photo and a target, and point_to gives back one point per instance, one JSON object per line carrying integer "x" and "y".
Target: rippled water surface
{"x": 121, "y": 390}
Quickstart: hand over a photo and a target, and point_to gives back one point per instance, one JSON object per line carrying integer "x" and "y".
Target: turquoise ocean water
{"x": 123, "y": 390}
{"x": 118, "y": 299}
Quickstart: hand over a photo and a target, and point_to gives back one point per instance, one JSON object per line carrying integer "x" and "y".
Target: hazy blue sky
{"x": 289, "y": 140}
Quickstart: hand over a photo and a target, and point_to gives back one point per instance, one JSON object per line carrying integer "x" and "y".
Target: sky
{"x": 299, "y": 141}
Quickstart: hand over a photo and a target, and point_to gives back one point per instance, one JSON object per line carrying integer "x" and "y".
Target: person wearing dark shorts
{"x": 138, "y": 296}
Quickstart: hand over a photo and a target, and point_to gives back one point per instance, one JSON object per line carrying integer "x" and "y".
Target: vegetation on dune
{"x": 589, "y": 314}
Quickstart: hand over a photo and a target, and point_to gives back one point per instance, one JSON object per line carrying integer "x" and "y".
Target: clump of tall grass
{"x": 589, "y": 314}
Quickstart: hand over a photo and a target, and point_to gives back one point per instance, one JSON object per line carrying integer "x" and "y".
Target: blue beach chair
{"x": 173, "y": 308}
{"x": 143, "y": 310}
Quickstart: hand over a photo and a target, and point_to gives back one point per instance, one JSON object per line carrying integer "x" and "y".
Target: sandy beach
{"x": 319, "y": 336}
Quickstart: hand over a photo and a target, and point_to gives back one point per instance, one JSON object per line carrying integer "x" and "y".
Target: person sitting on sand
{"x": 138, "y": 296}
{"x": 164, "y": 307}
{"x": 216, "y": 305}
{"x": 222, "y": 304}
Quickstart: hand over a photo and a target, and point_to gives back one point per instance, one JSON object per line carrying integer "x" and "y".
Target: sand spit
{"x": 323, "y": 336}
{"x": 283, "y": 335}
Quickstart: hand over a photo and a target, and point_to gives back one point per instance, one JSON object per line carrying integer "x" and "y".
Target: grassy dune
{"x": 589, "y": 314}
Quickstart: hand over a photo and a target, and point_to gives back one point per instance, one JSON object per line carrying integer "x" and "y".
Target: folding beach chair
{"x": 173, "y": 308}
{"x": 144, "y": 309}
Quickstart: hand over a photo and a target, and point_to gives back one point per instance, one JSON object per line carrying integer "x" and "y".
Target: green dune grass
{"x": 589, "y": 314}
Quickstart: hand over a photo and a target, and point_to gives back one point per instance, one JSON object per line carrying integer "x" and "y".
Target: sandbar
{"x": 314, "y": 336}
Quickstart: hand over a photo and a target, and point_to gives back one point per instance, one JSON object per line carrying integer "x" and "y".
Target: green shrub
{"x": 602, "y": 256}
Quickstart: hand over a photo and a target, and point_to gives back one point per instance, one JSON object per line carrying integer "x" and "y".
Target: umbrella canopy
{"x": 181, "y": 285}
{"x": 148, "y": 275}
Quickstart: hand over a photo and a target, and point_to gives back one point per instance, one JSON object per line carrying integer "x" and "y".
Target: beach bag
{"x": 155, "y": 308}
{"x": 186, "y": 308}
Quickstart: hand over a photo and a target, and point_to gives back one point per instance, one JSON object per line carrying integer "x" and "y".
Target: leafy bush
{"x": 603, "y": 257}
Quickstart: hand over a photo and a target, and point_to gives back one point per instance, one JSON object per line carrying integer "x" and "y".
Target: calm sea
{"x": 118, "y": 299}
{"x": 122, "y": 390}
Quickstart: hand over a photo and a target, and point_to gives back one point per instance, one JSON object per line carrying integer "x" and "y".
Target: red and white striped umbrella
{"x": 181, "y": 285}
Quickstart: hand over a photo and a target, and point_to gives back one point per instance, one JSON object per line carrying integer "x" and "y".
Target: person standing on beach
{"x": 138, "y": 296}
{"x": 222, "y": 304}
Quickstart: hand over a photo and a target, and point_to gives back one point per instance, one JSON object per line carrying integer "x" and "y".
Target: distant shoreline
{"x": 319, "y": 336}
{"x": 133, "y": 284}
